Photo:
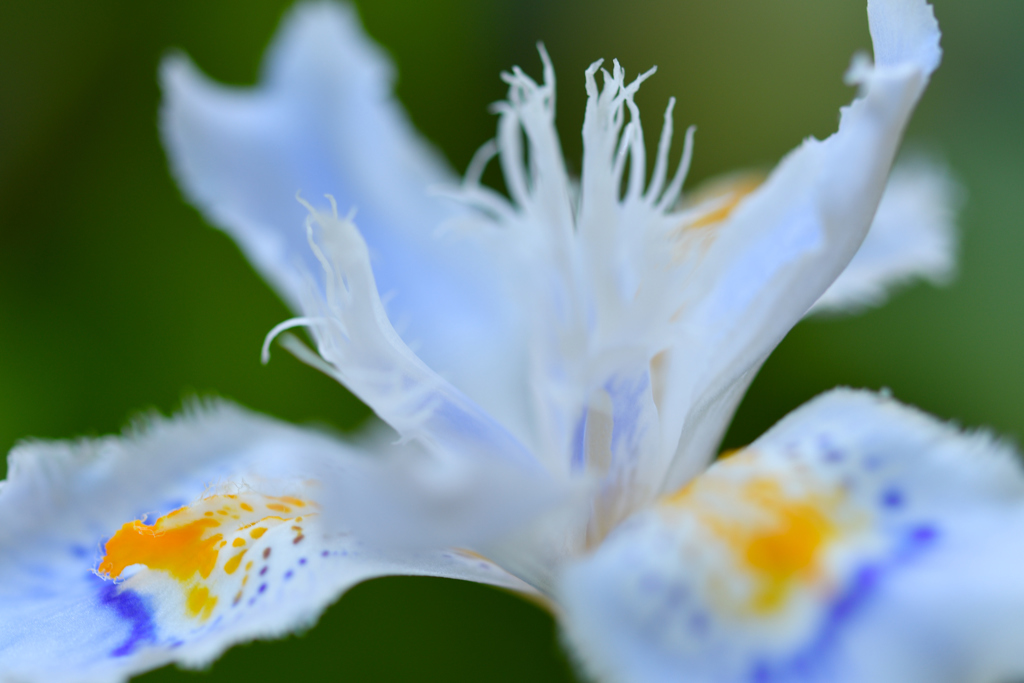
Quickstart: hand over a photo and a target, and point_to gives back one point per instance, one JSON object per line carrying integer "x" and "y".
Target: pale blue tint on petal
{"x": 794, "y": 236}
{"x": 63, "y": 503}
{"x": 636, "y": 470}
{"x": 617, "y": 425}
{"x": 324, "y": 120}
{"x": 911, "y": 576}
{"x": 468, "y": 473}
{"x": 612, "y": 459}
{"x": 633, "y": 415}
{"x": 463, "y": 481}
{"x": 955, "y": 617}
{"x": 904, "y": 32}
{"x": 80, "y": 624}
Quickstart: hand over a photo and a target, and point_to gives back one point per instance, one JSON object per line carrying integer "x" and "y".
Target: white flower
{"x": 559, "y": 366}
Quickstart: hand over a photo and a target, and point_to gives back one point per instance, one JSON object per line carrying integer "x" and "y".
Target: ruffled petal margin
{"x": 857, "y": 540}
{"x": 177, "y": 541}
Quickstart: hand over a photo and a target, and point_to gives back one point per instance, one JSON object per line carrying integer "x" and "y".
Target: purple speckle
{"x": 263, "y": 571}
{"x": 302, "y": 560}
{"x": 289, "y": 574}
{"x": 252, "y": 601}
{"x": 324, "y": 554}
{"x": 699, "y": 623}
{"x": 922, "y": 535}
{"x": 872, "y": 463}
{"x": 893, "y": 499}
{"x": 484, "y": 565}
{"x": 263, "y": 588}
{"x": 79, "y": 551}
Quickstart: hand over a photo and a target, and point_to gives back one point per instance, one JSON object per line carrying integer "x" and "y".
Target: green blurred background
{"x": 115, "y": 297}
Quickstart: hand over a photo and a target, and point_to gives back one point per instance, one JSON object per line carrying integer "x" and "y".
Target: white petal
{"x": 857, "y": 540}
{"x": 467, "y": 456}
{"x": 67, "y": 529}
{"x": 324, "y": 121}
{"x": 791, "y": 238}
{"x": 913, "y": 236}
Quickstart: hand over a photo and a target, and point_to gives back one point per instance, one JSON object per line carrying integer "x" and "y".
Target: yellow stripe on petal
{"x": 200, "y": 602}
{"x": 715, "y": 200}
{"x": 706, "y": 209}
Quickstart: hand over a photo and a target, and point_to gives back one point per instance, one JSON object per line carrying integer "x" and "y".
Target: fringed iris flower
{"x": 553, "y": 370}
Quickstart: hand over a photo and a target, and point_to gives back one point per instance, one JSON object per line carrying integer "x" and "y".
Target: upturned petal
{"x": 786, "y": 242}
{"x": 175, "y": 542}
{"x": 912, "y": 237}
{"x": 857, "y": 540}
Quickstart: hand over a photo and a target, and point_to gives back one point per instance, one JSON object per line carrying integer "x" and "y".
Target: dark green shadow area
{"x": 405, "y": 629}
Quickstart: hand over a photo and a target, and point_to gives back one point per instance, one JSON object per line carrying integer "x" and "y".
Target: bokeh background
{"x": 115, "y": 297}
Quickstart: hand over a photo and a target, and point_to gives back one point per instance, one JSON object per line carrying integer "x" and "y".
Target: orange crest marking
{"x": 775, "y": 537}
{"x": 186, "y": 543}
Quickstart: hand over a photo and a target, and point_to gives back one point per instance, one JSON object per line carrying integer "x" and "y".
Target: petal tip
{"x": 905, "y": 32}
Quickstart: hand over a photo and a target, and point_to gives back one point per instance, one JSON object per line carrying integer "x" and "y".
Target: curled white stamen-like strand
{"x": 622, "y": 154}
{"x": 661, "y": 160}
{"x": 511, "y": 158}
{"x": 478, "y": 163}
{"x": 291, "y": 323}
{"x": 541, "y": 188}
{"x": 306, "y": 355}
{"x": 329, "y": 274}
{"x": 479, "y": 198}
{"x": 638, "y": 152}
{"x": 675, "y": 188}
{"x": 472, "y": 194}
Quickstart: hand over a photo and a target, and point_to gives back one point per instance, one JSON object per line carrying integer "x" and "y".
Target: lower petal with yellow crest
{"x": 176, "y": 541}
{"x": 857, "y": 540}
